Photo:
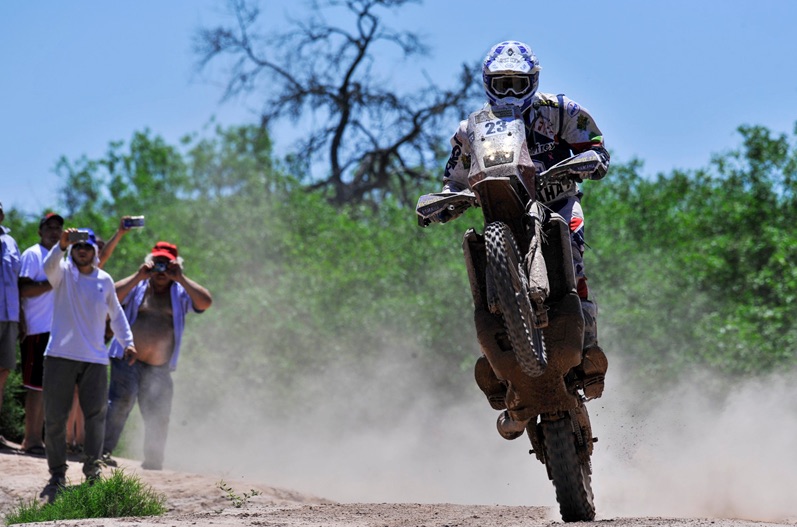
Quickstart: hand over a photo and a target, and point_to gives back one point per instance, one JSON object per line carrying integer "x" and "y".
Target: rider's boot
{"x": 488, "y": 382}
{"x": 592, "y": 370}
{"x": 495, "y": 390}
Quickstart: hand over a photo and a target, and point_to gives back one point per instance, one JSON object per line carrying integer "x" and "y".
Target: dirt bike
{"x": 528, "y": 315}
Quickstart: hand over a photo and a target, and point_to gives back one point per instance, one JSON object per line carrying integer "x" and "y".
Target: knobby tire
{"x": 571, "y": 477}
{"x": 505, "y": 269}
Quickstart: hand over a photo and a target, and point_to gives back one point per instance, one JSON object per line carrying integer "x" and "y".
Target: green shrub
{"x": 119, "y": 495}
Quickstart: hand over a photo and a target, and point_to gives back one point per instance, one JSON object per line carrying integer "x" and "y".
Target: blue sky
{"x": 668, "y": 82}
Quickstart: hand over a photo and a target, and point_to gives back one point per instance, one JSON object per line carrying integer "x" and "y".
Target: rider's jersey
{"x": 554, "y": 133}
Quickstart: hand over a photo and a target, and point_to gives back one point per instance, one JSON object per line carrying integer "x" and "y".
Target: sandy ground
{"x": 192, "y": 499}
{"x": 195, "y": 499}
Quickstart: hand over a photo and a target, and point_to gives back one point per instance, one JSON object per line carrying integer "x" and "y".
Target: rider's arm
{"x": 583, "y": 135}
{"x": 458, "y": 165}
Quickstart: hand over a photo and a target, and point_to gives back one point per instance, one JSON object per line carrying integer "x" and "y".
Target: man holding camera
{"x": 156, "y": 300}
{"x": 76, "y": 352}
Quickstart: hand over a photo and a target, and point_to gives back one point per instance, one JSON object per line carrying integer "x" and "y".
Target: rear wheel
{"x": 506, "y": 272}
{"x": 569, "y": 472}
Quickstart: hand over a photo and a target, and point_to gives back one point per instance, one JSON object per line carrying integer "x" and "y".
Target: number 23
{"x": 495, "y": 127}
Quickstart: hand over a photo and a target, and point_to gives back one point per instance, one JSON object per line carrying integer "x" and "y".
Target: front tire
{"x": 506, "y": 272}
{"x": 569, "y": 473}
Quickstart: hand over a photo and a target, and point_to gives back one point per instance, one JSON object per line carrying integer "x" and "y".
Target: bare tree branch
{"x": 375, "y": 140}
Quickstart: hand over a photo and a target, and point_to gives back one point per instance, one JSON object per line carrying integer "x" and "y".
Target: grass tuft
{"x": 237, "y": 500}
{"x": 113, "y": 497}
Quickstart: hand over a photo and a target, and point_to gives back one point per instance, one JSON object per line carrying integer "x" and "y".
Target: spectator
{"x": 37, "y": 308}
{"x": 75, "y": 424}
{"x": 76, "y": 352}
{"x": 156, "y": 300}
{"x": 9, "y": 308}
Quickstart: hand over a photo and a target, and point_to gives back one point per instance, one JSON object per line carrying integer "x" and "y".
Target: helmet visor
{"x": 511, "y": 84}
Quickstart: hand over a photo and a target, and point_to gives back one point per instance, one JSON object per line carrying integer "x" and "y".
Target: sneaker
{"x": 92, "y": 470}
{"x": 53, "y": 487}
{"x": 5, "y": 445}
{"x": 107, "y": 460}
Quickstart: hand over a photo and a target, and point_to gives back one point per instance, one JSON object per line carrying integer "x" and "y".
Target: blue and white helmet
{"x": 511, "y": 74}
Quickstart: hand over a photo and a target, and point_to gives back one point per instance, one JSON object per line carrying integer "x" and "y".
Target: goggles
{"x": 514, "y": 84}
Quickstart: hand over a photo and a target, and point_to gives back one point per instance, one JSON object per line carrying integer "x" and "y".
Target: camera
{"x": 79, "y": 236}
{"x": 159, "y": 267}
{"x": 133, "y": 222}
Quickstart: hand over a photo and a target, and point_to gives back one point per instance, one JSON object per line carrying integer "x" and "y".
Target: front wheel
{"x": 570, "y": 474}
{"x": 506, "y": 272}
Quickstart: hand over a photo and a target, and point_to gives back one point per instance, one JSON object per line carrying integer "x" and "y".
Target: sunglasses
{"x": 83, "y": 246}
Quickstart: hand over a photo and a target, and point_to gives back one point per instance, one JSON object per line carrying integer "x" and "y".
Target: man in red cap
{"x": 156, "y": 300}
{"x": 37, "y": 298}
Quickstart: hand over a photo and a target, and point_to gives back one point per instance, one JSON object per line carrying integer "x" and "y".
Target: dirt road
{"x": 195, "y": 500}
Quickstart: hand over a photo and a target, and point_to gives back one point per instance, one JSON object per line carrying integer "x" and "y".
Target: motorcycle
{"x": 528, "y": 316}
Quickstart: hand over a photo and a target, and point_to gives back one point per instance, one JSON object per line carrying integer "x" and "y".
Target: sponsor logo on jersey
{"x": 572, "y": 109}
{"x": 542, "y": 147}
{"x": 456, "y": 153}
{"x": 555, "y": 191}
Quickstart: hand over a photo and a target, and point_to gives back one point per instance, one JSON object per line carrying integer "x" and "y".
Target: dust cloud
{"x": 707, "y": 447}
{"x": 385, "y": 433}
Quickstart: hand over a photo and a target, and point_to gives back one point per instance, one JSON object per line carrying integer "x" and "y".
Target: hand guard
{"x": 443, "y": 207}
{"x": 586, "y": 165}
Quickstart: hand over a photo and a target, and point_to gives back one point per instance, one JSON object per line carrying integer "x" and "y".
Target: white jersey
{"x": 556, "y": 128}
{"x": 38, "y": 310}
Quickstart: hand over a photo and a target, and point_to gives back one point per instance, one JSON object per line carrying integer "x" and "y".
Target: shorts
{"x": 8, "y": 344}
{"x": 32, "y": 348}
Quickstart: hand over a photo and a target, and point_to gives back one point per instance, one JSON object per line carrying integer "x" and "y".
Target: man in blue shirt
{"x": 156, "y": 299}
{"x": 9, "y": 307}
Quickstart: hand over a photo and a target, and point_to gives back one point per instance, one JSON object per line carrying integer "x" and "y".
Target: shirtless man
{"x": 155, "y": 299}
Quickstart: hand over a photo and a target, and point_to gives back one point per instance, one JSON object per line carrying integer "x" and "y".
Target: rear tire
{"x": 570, "y": 475}
{"x": 506, "y": 271}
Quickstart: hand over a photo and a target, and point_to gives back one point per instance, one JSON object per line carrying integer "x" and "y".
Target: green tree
{"x": 695, "y": 267}
{"x": 144, "y": 176}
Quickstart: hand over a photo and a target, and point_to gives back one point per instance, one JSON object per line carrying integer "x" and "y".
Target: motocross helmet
{"x": 511, "y": 74}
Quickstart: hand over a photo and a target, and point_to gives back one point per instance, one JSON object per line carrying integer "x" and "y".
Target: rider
{"x": 556, "y": 129}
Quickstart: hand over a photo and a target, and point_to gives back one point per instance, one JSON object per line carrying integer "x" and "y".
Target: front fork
{"x": 582, "y": 434}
